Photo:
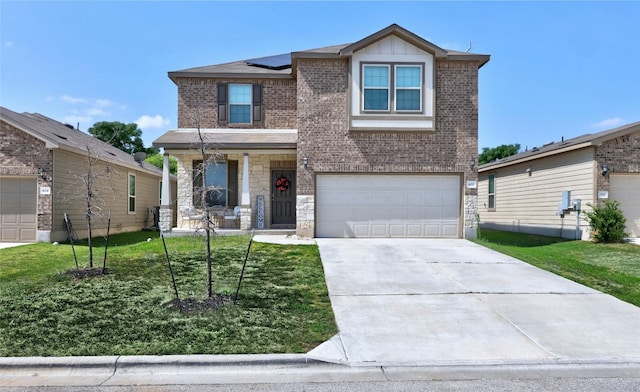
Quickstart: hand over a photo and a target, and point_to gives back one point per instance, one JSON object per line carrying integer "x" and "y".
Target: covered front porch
{"x": 245, "y": 180}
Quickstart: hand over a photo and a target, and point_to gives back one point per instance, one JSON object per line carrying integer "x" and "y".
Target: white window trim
{"x": 129, "y": 195}
{"x": 400, "y": 121}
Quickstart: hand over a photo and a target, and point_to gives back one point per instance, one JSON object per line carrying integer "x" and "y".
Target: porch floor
{"x": 183, "y": 232}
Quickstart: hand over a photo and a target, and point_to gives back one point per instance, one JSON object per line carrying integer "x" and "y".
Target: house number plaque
{"x": 260, "y": 212}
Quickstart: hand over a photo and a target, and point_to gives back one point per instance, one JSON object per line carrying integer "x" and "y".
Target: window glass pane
{"x": 240, "y": 93}
{"x": 492, "y": 201}
{"x": 217, "y": 198}
{"x": 132, "y": 185}
{"x": 376, "y": 76}
{"x": 240, "y": 114}
{"x": 407, "y": 76}
{"x": 132, "y": 204}
{"x": 408, "y": 100}
{"x": 376, "y": 99}
{"x": 217, "y": 175}
{"x": 491, "y": 183}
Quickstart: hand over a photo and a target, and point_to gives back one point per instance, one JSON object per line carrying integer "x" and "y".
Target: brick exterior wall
{"x": 21, "y": 155}
{"x": 621, "y": 155}
{"x": 325, "y": 139}
{"x": 278, "y": 103}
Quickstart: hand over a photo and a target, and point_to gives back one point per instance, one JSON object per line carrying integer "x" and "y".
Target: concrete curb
{"x": 278, "y": 368}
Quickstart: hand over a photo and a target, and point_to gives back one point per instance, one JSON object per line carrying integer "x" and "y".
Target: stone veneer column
{"x": 166, "y": 212}
{"x": 305, "y": 215}
{"x": 245, "y": 203}
{"x": 470, "y": 216}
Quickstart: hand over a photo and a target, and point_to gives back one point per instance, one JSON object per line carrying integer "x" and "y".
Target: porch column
{"x": 245, "y": 201}
{"x": 166, "y": 212}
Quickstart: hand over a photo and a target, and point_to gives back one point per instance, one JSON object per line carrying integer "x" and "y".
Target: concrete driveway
{"x": 410, "y": 302}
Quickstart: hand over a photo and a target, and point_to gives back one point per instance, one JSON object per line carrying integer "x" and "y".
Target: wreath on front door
{"x": 282, "y": 183}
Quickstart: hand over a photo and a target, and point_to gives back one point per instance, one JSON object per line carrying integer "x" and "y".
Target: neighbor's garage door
{"x": 388, "y": 206}
{"x": 625, "y": 188}
{"x": 18, "y": 215}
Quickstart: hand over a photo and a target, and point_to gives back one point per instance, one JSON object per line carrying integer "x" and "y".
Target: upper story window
{"x": 239, "y": 103}
{"x": 378, "y": 94}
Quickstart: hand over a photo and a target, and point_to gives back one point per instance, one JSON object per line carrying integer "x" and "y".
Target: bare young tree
{"x": 90, "y": 187}
{"x": 203, "y": 191}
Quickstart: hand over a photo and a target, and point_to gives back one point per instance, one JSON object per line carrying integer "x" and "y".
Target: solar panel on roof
{"x": 280, "y": 61}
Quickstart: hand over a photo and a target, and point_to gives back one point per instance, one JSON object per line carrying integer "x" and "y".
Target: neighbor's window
{"x": 492, "y": 192}
{"x": 132, "y": 193}
{"x": 378, "y": 95}
{"x": 240, "y": 103}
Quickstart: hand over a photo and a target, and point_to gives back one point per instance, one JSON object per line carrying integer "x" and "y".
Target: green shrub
{"x": 607, "y": 222}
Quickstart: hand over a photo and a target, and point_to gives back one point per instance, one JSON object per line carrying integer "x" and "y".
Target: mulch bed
{"x": 190, "y": 305}
{"x": 83, "y": 273}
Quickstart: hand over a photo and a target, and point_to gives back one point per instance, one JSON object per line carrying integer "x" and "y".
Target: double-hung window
{"x": 492, "y": 192}
{"x": 132, "y": 193}
{"x": 239, "y": 103}
{"x": 392, "y": 88}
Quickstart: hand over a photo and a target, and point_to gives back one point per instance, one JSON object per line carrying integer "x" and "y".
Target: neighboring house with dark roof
{"x": 524, "y": 192}
{"x": 43, "y": 168}
{"x": 377, "y": 138}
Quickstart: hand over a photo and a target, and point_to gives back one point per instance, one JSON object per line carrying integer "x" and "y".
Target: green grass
{"x": 611, "y": 268}
{"x": 283, "y": 304}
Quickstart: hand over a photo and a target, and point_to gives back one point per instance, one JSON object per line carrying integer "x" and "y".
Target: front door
{"x": 283, "y": 199}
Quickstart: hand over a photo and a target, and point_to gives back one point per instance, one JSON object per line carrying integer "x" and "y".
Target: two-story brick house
{"x": 377, "y": 138}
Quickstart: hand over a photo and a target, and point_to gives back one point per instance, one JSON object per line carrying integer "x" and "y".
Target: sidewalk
{"x": 269, "y": 369}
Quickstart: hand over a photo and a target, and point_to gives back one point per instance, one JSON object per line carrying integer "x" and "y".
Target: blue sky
{"x": 557, "y": 69}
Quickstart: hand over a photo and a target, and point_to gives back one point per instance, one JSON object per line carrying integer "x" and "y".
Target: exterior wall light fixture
{"x": 605, "y": 169}
{"x": 42, "y": 173}
{"x": 472, "y": 163}
{"x": 305, "y": 162}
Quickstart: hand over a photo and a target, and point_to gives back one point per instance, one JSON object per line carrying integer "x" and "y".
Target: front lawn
{"x": 611, "y": 268}
{"x": 283, "y": 305}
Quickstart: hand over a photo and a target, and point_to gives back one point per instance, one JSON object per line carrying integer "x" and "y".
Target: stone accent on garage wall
{"x": 305, "y": 215}
{"x": 470, "y": 216}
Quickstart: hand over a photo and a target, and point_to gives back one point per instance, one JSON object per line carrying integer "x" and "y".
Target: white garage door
{"x": 18, "y": 212}
{"x": 625, "y": 188}
{"x": 354, "y": 205}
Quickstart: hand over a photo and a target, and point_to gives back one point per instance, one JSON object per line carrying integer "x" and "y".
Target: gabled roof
{"x": 225, "y": 138}
{"x": 252, "y": 69}
{"x": 400, "y": 32}
{"x": 553, "y": 148}
{"x": 58, "y": 135}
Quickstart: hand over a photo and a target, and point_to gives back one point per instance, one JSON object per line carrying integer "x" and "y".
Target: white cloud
{"x": 72, "y": 100}
{"x": 608, "y": 123}
{"x": 156, "y": 121}
{"x": 95, "y": 112}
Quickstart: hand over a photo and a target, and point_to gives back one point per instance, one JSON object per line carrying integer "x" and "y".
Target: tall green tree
{"x": 157, "y": 160}
{"x": 502, "y": 151}
{"x": 126, "y": 137}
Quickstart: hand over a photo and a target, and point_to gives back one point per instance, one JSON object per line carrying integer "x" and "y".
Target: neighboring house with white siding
{"x": 523, "y": 192}
{"x": 42, "y": 165}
